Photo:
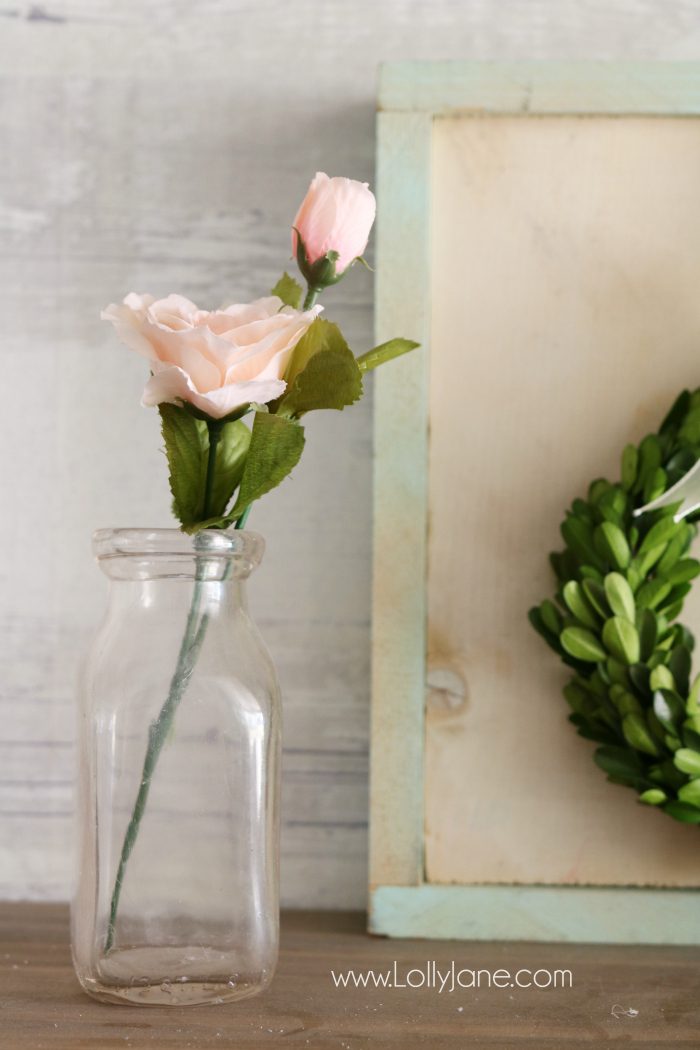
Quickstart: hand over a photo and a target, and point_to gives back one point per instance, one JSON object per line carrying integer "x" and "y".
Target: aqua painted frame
{"x": 402, "y": 903}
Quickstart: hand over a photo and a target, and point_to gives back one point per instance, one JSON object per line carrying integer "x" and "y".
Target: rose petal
{"x": 170, "y": 384}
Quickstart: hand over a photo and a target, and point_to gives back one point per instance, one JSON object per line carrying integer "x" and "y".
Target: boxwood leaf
{"x": 550, "y": 616}
{"x": 688, "y": 761}
{"x": 637, "y": 734}
{"x": 648, "y": 632}
{"x": 619, "y": 762}
{"x": 621, "y": 639}
{"x": 682, "y": 811}
{"x": 630, "y": 460}
{"x": 683, "y": 571}
{"x": 661, "y": 678}
{"x": 595, "y": 593}
{"x": 652, "y": 593}
{"x": 679, "y": 665}
{"x": 582, "y": 644}
{"x": 619, "y": 595}
{"x": 668, "y": 708}
{"x": 611, "y": 544}
{"x": 576, "y": 601}
{"x": 690, "y": 793}
{"x": 578, "y": 536}
{"x": 659, "y": 533}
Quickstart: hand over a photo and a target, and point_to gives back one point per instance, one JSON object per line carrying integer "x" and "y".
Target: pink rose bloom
{"x": 218, "y": 361}
{"x": 335, "y": 215}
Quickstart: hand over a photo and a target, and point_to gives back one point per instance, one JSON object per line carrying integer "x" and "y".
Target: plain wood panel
{"x": 165, "y": 146}
{"x": 578, "y": 241}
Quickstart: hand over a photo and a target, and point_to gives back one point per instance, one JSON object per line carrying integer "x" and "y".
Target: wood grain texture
{"x": 583, "y": 267}
{"x": 636, "y": 996}
{"x": 400, "y": 507}
{"x": 164, "y": 147}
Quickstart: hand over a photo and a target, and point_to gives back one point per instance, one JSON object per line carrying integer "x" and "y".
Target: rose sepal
{"x": 319, "y": 274}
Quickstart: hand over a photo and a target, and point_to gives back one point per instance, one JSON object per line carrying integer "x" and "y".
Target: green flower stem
{"x": 193, "y": 637}
{"x": 157, "y": 735}
{"x": 214, "y": 428}
{"x": 240, "y": 524}
{"x": 311, "y": 297}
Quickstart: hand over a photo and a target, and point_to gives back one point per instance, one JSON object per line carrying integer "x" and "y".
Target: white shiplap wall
{"x": 164, "y": 146}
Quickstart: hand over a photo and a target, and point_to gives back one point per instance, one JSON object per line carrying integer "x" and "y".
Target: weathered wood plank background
{"x": 161, "y": 147}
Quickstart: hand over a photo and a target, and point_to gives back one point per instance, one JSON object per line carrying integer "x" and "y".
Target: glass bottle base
{"x": 121, "y": 979}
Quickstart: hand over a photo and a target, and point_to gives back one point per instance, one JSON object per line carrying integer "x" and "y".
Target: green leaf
{"x": 661, "y": 678}
{"x": 276, "y": 445}
{"x": 595, "y": 594}
{"x": 186, "y": 447}
{"x": 619, "y": 595}
{"x": 612, "y": 544}
{"x": 652, "y": 593}
{"x": 690, "y": 793}
{"x": 668, "y": 708}
{"x": 692, "y": 704}
{"x": 552, "y": 639}
{"x": 619, "y": 762}
{"x": 644, "y": 562}
{"x": 648, "y": 632}
{"x": 379, "y": 355}
{"x": 289, "y": 291}
{"x": 658, "y": 534}
{"x": 597, "y": 489}
{"x": 682, "y": 811}
{"x": 676, "y": 413}
{"x": 640, "y": 678}
{"x": 683, "y": 571}
{"x": 319, "y": 336}
{"x": 649, "y": 460}
{"x": 653, "y": 797}
{"x": 231, "y": 455}
{"x": 613, "y": 504}
{"x": 621, "y": 639}
{"x": 679, "y": 665}
{"x": 655, "y": 486}
{"x": 616, "y": 671}
{"x": 688, "y": 761}
{"x": 576, "y": 602}
{"x": 674, "y": 551}
{"x": 330, "y": 380}
{"x": 323, "y": 374}
{"x": 550, "y": 616}
{"x": 582, "y": 644}
{"x": 630, "y": 460}
{"x": 637, "y": 735}
{"x": 627, "y": 704}
{"x": 578, "y": 536}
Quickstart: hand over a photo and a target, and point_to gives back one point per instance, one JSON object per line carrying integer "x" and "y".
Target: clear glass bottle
{"x": 178, "y": 798}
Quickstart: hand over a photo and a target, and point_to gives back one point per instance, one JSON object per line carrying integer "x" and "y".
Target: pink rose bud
{"x": 332, "y": 227}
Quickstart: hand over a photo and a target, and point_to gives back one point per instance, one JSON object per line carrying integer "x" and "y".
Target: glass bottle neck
{"x": 213, "y": 596}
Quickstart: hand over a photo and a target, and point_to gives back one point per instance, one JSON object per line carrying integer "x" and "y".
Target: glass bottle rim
{"x": 240, "y": 546}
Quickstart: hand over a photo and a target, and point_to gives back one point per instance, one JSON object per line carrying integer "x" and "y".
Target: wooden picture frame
{"x": 403, "y": 902}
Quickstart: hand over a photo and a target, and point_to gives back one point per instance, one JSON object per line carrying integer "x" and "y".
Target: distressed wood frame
{"x": 402, "y": 903}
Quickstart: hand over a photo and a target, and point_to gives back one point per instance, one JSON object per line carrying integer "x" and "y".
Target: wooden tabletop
{"x": 645, "y": 996}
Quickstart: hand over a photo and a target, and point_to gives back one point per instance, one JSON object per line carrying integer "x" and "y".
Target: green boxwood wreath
{"x": 621, "y": 585}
